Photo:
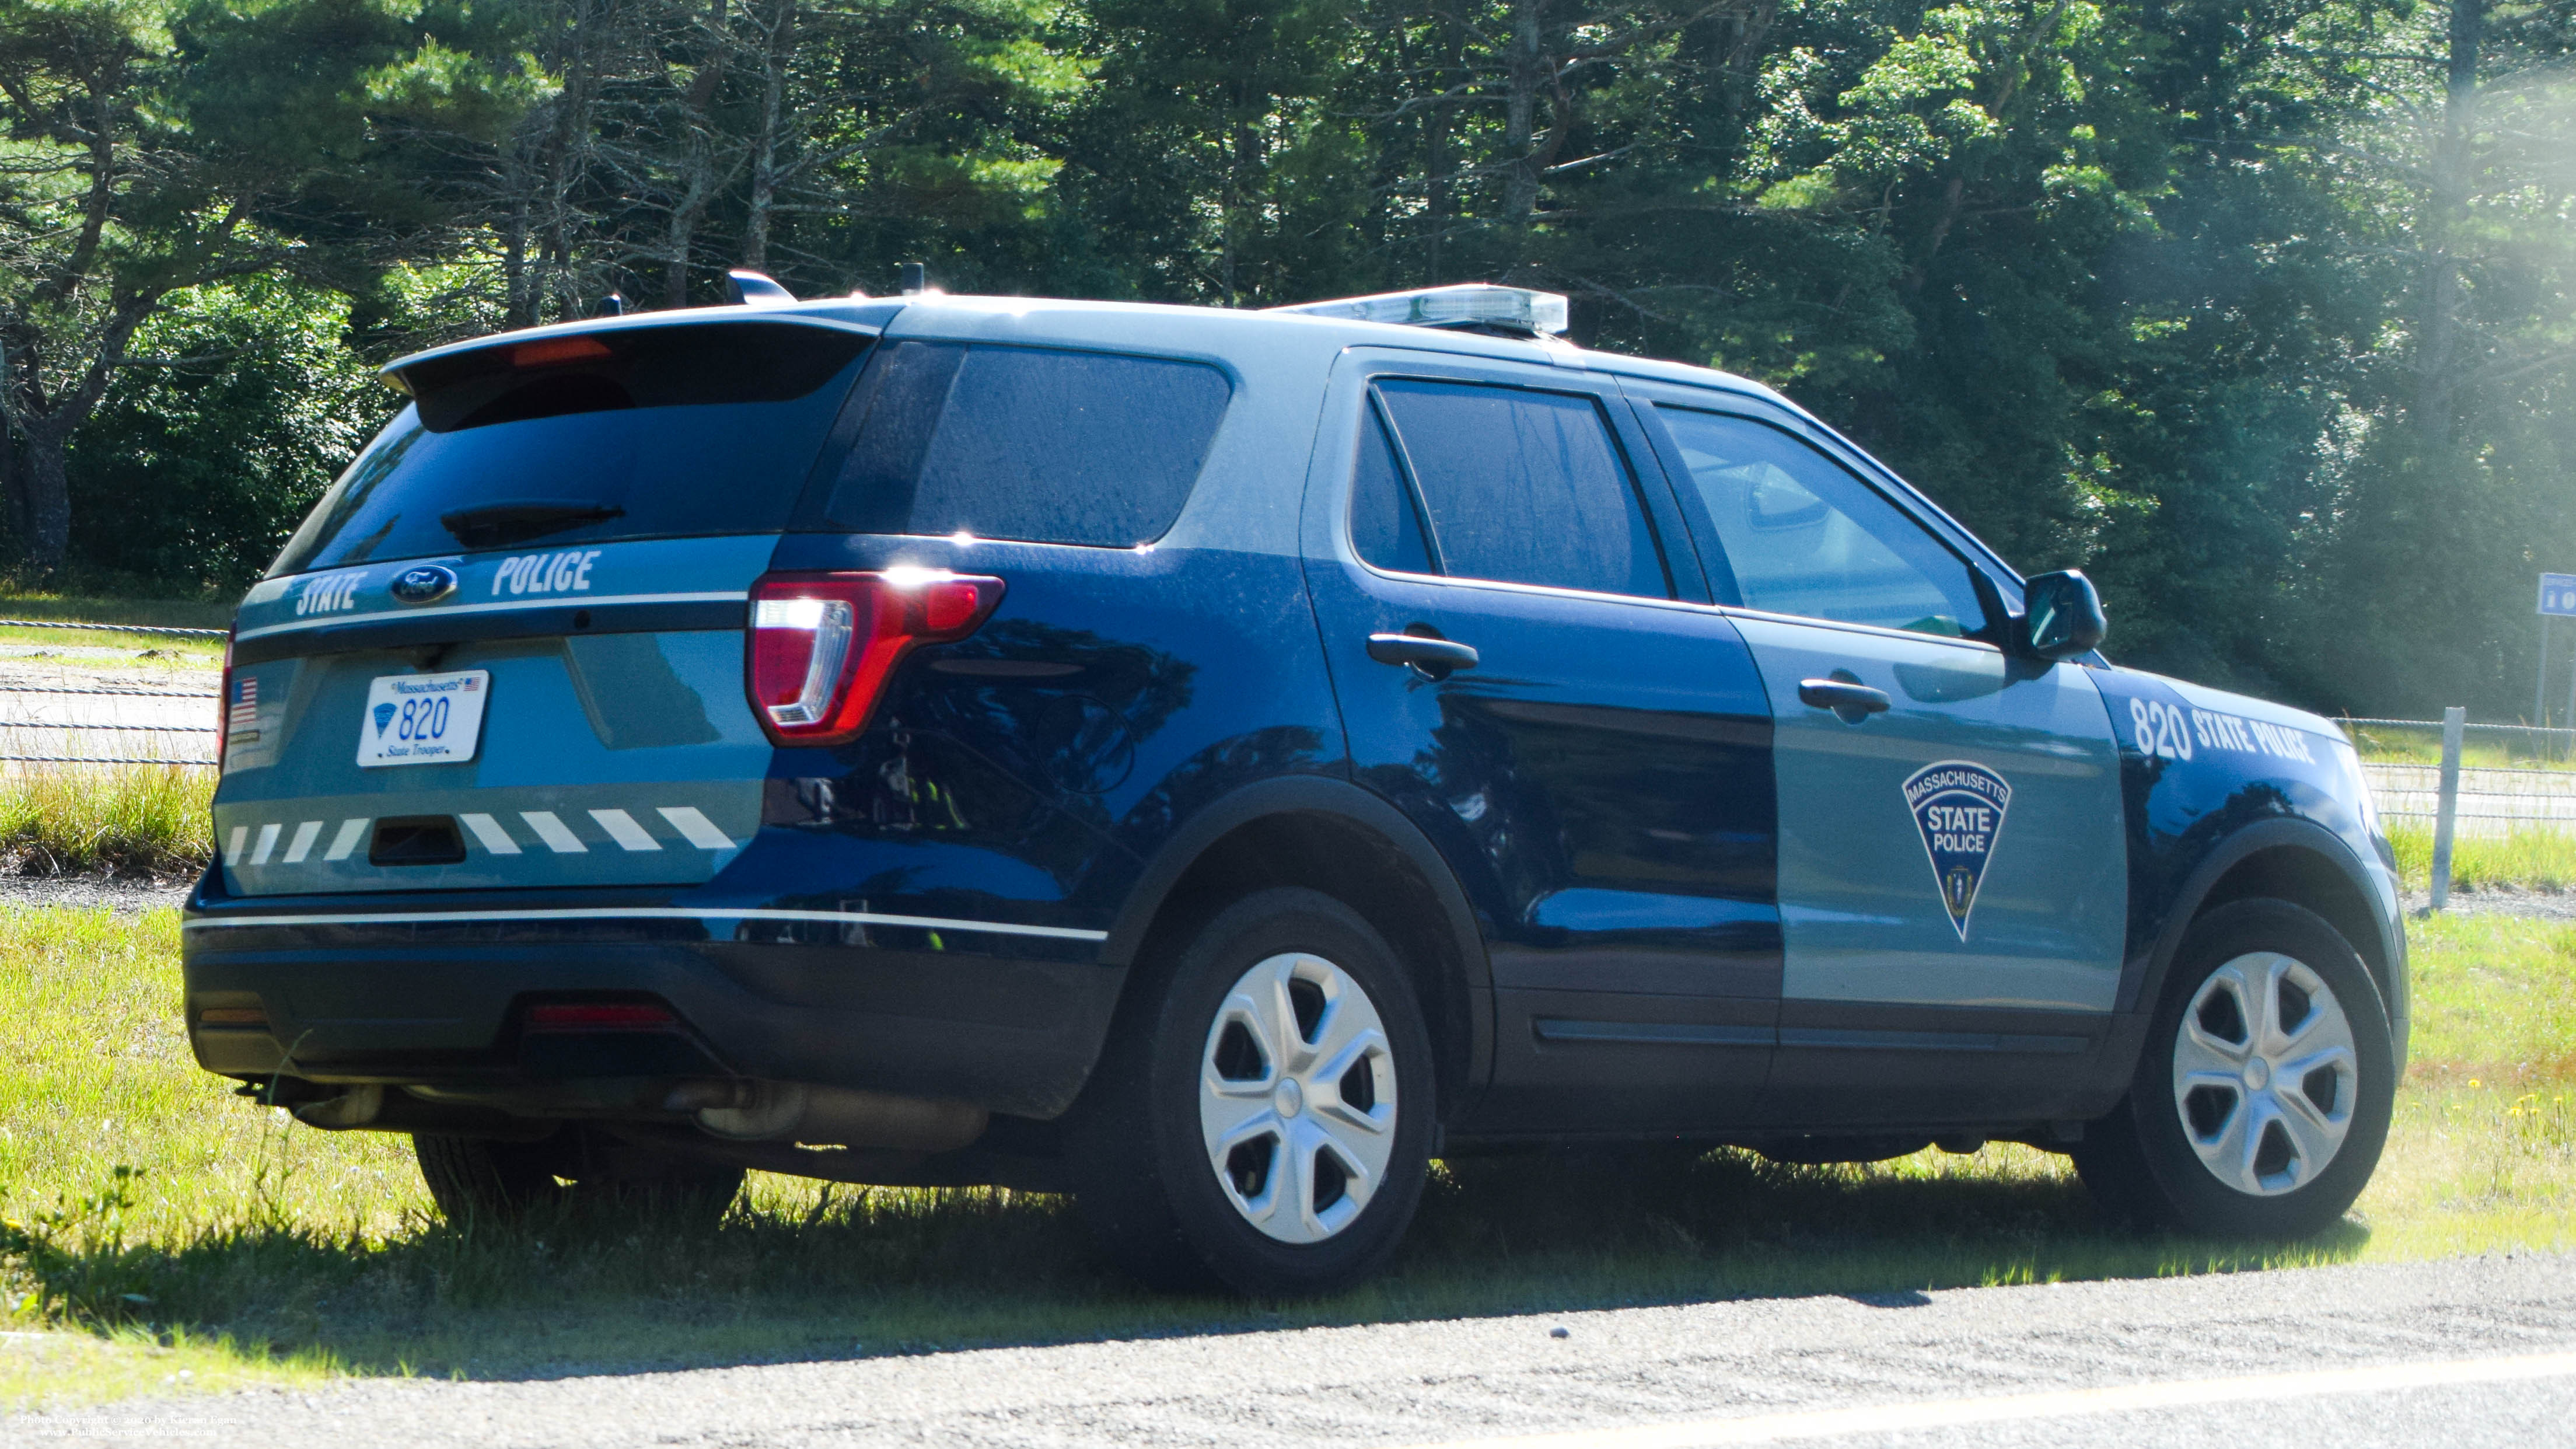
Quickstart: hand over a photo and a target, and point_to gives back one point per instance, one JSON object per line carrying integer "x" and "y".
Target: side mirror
{"x": 2062, "y": 615}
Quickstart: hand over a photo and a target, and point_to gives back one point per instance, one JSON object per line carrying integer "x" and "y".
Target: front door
{"x": 1599, "y": 778}
{"x": 1953, "y": 884}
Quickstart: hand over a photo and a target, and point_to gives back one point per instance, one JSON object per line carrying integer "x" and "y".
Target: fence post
{"x": 2454, "y": 724}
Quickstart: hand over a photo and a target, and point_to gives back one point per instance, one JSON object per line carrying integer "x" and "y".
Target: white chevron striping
{"x": 699, "y": 830}
{"x": 630, "y": 834}
{"x": 346, "y": 840}
{"x": 489, "y": 831}
{"x": 557, "y": 835}
{"x": 621, "y": 827}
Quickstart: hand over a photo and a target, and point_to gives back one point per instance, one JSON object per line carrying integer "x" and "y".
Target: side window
{"x": 1385, "y": 526}
{"x": 1025, "y": 443}
{"x": 1524, "y": 487}
{"x": 1804, "y": 536}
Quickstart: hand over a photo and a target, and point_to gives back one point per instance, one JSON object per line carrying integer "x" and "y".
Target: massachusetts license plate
{"x": 423, "y": 719}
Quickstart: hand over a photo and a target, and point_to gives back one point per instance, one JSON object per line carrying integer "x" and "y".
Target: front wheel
{"x": 1262, "y": 1117}
{"x": 2262, "y": 1100}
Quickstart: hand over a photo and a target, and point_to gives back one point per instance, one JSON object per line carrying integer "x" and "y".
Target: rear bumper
{"x": 1014, "y": 1027}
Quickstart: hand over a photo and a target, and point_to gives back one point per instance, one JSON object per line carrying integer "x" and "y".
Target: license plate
{"x": 423, "y": 719}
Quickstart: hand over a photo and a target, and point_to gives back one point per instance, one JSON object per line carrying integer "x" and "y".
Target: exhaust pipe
{"x": 746, "y": 1111}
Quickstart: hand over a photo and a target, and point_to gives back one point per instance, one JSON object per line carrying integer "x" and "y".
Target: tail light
{"x": 822, "y": 645}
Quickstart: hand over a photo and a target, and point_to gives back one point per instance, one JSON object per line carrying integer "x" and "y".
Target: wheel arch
{"x": 2306, "y": 865}
{"x": 1332, "y": 836}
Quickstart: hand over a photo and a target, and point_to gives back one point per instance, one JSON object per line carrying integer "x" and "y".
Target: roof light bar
{"x": 1471, "y": 304}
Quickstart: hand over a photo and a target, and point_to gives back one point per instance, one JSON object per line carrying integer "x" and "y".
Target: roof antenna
{"x": 747, "y": 288}
{"x": 916, "y": 279}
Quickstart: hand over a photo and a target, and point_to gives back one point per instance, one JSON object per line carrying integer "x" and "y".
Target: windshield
{"x": 705, "y": 428}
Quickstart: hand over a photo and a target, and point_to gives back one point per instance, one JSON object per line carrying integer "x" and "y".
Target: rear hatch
{"x": 507, "y": 647}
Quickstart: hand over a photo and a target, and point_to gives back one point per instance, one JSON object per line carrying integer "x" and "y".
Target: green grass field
{"x": 2422, "y": 745}
{"x": 158, "y": 1225}
{"x": 122, "y": 820}
{"x": 2534, "y": 859}
{"x": 129, "y": 650}
{"x": 98, "y": 608}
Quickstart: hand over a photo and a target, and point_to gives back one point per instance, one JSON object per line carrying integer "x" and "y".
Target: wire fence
{"x": 25, "y": 741}
{"x": 113, "y": 628}
{"x": 2523, "y": 792}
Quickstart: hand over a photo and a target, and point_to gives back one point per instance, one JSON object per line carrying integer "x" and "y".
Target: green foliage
{"x": 2267, "y": 318}
{"x": 241, "y": 405}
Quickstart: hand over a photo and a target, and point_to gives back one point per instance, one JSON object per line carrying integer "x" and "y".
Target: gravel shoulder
{"x": 2539, "y": 905}
{"x": 1466, "y": 1379}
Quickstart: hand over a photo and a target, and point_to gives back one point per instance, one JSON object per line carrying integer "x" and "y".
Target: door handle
{"x": 1850, "y": 700}
{"x": 1432, "y": 656}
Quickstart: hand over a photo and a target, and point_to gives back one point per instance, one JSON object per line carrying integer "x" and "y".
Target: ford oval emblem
{"x": 426, "y": 584}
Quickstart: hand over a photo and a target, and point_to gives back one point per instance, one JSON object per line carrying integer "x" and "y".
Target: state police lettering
{"x": 329, "y": 593}
{"x": 1958, "y": 807}
{"x": 545, "y": 573}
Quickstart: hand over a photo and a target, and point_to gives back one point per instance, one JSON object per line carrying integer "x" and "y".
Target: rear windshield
{"x": 707, "y": 428}
{"x": 1023, "y": 443}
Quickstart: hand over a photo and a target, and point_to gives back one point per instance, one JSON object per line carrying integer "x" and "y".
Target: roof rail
{"x": 1479, "y": 306}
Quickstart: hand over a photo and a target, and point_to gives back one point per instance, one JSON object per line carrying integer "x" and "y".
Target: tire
{"x": 474, "y": 1178}
{"x": 1261, "y": 1119}
{"x": 2262, "y": 1099}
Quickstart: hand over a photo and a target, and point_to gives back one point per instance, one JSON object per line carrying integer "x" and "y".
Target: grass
{"x": 94, "y": 608}
{"x": 156, "y": 1223}
{"x": 91, "y": 608}
{"x": 2539, "y": 858}
{"x": 2422, "y": 745}
{"x": 125, "y": 820}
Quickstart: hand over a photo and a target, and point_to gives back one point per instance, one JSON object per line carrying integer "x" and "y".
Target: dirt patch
{"x": 126, "y": 895}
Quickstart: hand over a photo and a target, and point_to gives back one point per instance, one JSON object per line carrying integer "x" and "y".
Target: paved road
{"x": 2468, "y": 1353}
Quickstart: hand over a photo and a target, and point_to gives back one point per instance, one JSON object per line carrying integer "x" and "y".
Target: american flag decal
{"x": 245, "y": 711}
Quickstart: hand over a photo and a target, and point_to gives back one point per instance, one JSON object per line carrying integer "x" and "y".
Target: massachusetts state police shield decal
{"x": 1959, "y": 807}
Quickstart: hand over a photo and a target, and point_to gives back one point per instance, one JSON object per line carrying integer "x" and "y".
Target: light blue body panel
{"x": 1861, "y": 909}
{"x": 616, "y": 758}
{"x": 597, "y": 576}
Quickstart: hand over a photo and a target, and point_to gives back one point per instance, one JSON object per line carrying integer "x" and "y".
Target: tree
{"x": 155, "y": 152}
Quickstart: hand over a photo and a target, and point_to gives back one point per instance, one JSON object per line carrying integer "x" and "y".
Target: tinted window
{"x": 1025, "y": 443}
{"x": 1804, "y": 536}
{"x": 1385, "y": 527}
{"x": 1524, "y": 487}
{"x": 699, "y": 429}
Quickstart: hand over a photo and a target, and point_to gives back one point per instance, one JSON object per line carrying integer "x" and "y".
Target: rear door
{"x": 506, "y": 649}
{"x": 1600, "y": 777}
{"x": 1953, "y": 886}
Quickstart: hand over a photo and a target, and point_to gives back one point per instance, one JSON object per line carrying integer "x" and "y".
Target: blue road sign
{"x": 2558, "y": 594}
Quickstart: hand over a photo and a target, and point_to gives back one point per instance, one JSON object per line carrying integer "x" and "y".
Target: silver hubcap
{"x": 2264, "y": 1074}
{"x": 1297, "y": 1098}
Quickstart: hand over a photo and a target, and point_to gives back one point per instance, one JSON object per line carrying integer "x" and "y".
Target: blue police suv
{"x": 1215, "y": 762}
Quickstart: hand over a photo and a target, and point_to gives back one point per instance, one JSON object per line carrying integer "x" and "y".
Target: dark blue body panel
{"x": 1028, "y": 773}
{"x": 2210, "y": 780}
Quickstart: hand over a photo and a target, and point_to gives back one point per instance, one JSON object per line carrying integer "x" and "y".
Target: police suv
{"x": 1214, "y": 763}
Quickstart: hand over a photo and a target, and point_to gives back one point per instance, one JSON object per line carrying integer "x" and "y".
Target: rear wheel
{"x": 1262, "y": 1119}
{"x": 2262, "y": 1101}
{"x": 479, "y": 1177}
